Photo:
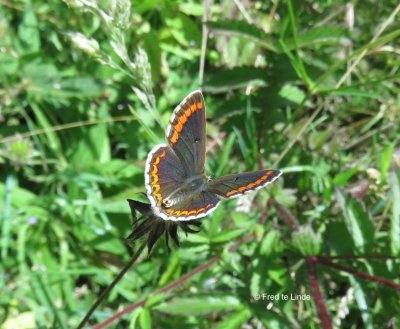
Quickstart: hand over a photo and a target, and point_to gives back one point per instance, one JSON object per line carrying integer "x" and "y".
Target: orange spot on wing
{"x": 155, "y": 178}
{"x": 187, "y": 213}
{"x": 174, "y": 137}
{"x": 199, "y": 105}
{"x": 178, "y": 127}
{"x": 230, "y": 193}
{"x": 182, "y": 119}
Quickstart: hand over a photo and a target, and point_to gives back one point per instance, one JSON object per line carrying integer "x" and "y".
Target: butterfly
{"x": 175, "y": 179}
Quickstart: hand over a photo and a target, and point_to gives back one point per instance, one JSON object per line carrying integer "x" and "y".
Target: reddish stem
{"x": 363, "y": 275}
{"x": 311, "y": 262}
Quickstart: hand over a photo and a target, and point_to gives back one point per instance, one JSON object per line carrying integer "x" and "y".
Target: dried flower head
{"x": 151, "y": 227}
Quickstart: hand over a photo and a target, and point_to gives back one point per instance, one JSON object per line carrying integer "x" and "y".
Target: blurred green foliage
{"x": 87, "y": 88}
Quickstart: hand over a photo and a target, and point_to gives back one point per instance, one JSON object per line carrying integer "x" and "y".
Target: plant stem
{"x": 316, "y": 291}
{"x": 106, "y": 291}
{"x": 363, "y": 275}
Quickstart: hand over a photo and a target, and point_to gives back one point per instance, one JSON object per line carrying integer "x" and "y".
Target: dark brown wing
{"x": 186, "y": 133}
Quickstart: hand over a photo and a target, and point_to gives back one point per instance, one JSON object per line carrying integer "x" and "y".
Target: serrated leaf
{"x": 320, "y": 35}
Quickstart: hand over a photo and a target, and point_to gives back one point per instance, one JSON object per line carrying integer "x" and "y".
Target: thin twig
{"x": 64, "y": 126}
{"x": 300, "y": 133}
{"x": 106, "y": 291}
{"x": 242, "y": 9}
{"x": 206, "y": 18}
{"x": 272, "y": 14}
{"x": 368, "y": 135}
{"x": 286, "y": 215}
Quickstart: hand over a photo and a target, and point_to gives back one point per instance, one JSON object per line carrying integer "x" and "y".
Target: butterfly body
{"x": 190, "y": 188}
{"x": 176, "y": 184}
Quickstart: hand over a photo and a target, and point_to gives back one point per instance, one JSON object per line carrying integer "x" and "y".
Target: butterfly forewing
{"x": 186, "y": 133}
{"x": 235, "y": 185}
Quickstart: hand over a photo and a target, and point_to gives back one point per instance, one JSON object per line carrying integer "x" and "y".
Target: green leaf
{"x": 53, "y": 141}
{"x": 184, "y": 30}
{"x": 145, "y": 319}
{"x": 358, "y": 223}
{"x": 246, "y": 30}
{"x": 321, "y": 35}
{"x": 385, "y": 159}
{"x": 351, "y": 91}
{"x": 235, "y": 78}
{"x": 200, "y": 305}
{"x": 133, "y": 318}
{"x": 226, "y": 152}
{"x": 235, "y": 320}
{"x": 8, "y": 63}
{"x": 361, "y": 299}
{"x": 151, "y": 45}
{"x": 343, "y": 177}
{"x": 395, "y": 218}
{"x": 269, "y": 242}
{"x": 28, "y": 31}
{"x": 224, "y": 236}
{"x": 292, "y": 93}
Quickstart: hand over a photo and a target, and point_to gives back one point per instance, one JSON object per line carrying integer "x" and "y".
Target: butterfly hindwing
{"x": 232, "y": 186}
{"x": 164, "y": 173}
{"x": 169, "y": 190}
{"x": 195, "y": 206}
{"x": 186, "y": 133}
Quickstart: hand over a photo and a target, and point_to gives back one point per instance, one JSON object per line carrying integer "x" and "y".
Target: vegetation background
{"x": 309, "y": 87}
